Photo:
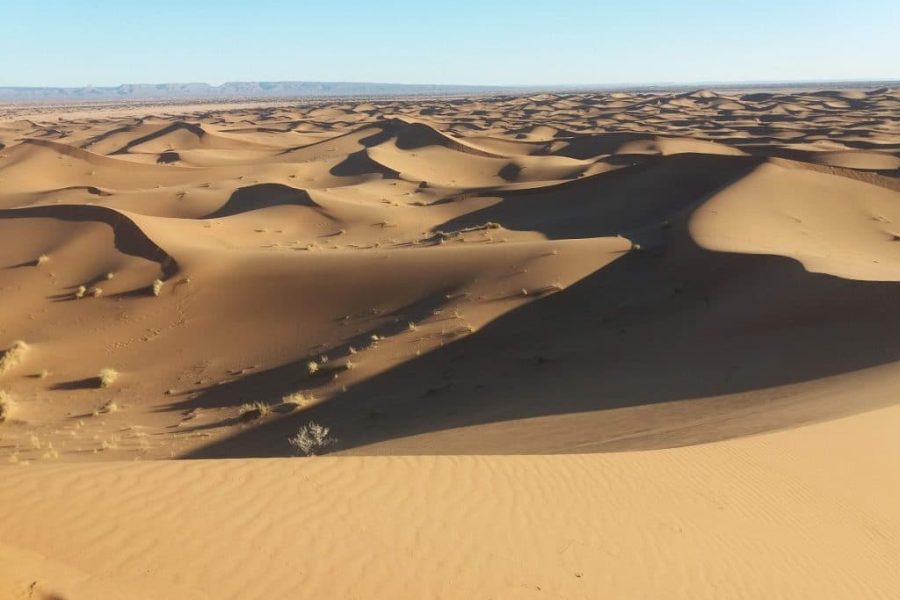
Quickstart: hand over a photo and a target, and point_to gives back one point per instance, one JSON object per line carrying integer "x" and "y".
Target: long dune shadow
{"x": 611, "y": 203}
{"x": 629, "y": 350}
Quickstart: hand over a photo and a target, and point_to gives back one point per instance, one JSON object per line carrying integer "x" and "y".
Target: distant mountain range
{"x": 237, "y": 90}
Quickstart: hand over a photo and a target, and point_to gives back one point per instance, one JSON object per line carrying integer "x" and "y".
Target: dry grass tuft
{"x": 298, "y": 400}
{"x": 7, "y": 404}
{"x": 107, "y": 376}
{"x": 311, "y": 438}
{"x": 253, "y": 410}
{"x": 13, "y": 356}
{"x": 108, "y": 407}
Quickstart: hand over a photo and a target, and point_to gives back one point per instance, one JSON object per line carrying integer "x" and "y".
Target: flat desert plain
{"x": 622, "y": 345}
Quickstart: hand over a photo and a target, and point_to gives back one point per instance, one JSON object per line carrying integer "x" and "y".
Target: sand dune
{"x": 785, "y": 515}
{"x": 615, "y": 271}
{"x": 559, "y": 274}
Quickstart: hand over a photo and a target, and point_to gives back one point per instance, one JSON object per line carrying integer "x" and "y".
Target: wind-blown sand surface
{"x": 557, "y": 274}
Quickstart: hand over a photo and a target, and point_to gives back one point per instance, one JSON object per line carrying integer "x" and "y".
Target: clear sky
{"x": 107, "y": 42}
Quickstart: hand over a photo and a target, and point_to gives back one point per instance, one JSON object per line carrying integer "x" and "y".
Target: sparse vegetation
{"x": 80, "y": 292}
{"x": 311, "y": 438}
{"x": 107, "y": 376}
{"x": 253, "y": 410}
{"x": 108, "y": 407}
{"x": 157, "y": 287}
{"x": 40, "y": 260}
{"x": 312, "y": 367}
{"x": 96, "y": 292}
{"x": 13, "y": 356}
{"x": 7, "y": 404}
{"x": 298, "y": 399}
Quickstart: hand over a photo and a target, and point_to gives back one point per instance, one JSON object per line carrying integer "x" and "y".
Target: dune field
{"x": 623, "y": 345}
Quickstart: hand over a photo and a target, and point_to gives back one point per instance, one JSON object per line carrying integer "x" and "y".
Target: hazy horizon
{"x": 563, "y": 85}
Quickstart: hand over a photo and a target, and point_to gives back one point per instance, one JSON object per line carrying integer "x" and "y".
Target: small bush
{"x": 157, "y": 287}
{"x": 298, "y": 399}
{"x": 312, "y": 367}
{"x": 40, "y": 260}
{"x": 80, "y": 292}
{"x": 311, "y": 438}
{"x": 106, "y": 377}
{"x": 6, "y": 405}
{"x": 108, "y": 407}
{"x": 13, "y": 356}
{"x": 253, "y": 410}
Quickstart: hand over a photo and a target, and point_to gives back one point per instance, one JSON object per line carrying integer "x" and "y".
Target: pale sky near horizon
{"x": 526, "y": 42}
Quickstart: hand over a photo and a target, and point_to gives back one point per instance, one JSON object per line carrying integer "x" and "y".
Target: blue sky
{"x": 106, "y": 42}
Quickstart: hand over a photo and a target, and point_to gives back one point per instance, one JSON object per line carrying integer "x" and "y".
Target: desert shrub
{"x": 107, "y": 376}
{"x": 298, "y": 399}
{"x": 6, "y": 405}
{"x": 157, "y": 287}
{"x": 13, "y": 356}
{"x": 80, "y": 292}
{"x": 312, "y": 367}
{"x": 253, "y": 410}
{"x": 108, "y": 407}
{"x": 40, "y": 260}
{"x": 311, "y": 438}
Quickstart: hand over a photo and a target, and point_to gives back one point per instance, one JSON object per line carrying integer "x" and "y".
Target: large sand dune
{"x": 555, "y": 274}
